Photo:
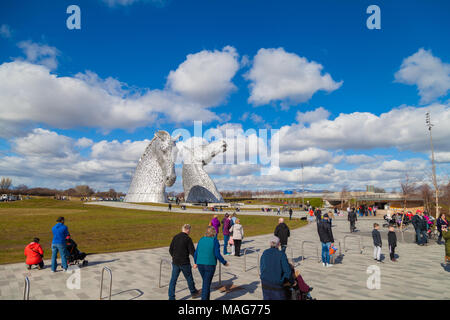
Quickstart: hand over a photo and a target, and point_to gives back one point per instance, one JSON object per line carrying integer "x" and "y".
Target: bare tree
{"x": 427, "y": 196}
{"x": 5, "y": 184}
{"x": 84, "y": 191}
{"x": 408, "y": 189}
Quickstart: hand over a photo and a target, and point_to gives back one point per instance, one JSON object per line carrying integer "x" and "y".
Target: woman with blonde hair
{"x": 205, "y": 257}
{"x": 237, "y": 235}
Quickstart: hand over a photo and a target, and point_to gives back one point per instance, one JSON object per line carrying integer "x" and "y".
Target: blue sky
{"x": 140, "y": 42}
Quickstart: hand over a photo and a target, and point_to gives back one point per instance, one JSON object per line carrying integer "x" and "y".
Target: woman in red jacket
{"x": 34, "y": 253}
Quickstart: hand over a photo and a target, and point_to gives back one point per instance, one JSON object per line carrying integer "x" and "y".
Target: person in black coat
{"x": 290, "y": 213}
{"x": 283, "y": 233}
{"x": 326, "y": 238}
{"x": 392, "y": 241}
{"x": 377, "y": 243}
{"x": 420, "y": 226}
{"x": 180, "y": 249}
{"x": 352, "y": 217}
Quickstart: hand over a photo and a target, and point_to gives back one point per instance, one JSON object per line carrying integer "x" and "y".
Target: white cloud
{"x": 277, "y": 75}
{"x": 84, "y": 143}
{"x": 427, "y": 72}
{"x": 115, "y": 150}
{"x": 5, "y": 31}
{"x": 312, "y": 116}
{"x": 44, "y": 143}
{"x": 442, "y": 157}
{"x": 40, "y": 53}
{"x": 359, "y": 159}
{"x": 403, "y": 128}
{"x": 205, "y": 77}
{"x": 30, "y": 93}
{"x": 309, "y": 156}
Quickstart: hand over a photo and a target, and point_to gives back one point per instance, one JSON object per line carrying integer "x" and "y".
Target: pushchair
{"x": 75, "y": 257}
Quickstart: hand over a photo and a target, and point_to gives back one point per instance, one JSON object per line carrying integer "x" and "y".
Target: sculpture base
{"x": 201, "y": 194}
{"x": 145, "y": 197}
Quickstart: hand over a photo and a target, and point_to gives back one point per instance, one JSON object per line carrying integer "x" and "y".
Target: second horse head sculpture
{"x": 197, "y": 185}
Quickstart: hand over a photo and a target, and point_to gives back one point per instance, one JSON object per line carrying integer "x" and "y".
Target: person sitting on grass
{"x": 34, "y": 253}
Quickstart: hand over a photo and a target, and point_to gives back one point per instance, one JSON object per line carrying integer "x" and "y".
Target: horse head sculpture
{"x": 197, "y": 185}
{"x": 155, "y": 170}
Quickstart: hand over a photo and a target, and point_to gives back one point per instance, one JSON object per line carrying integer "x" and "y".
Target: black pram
{"x": 75, "y": 255}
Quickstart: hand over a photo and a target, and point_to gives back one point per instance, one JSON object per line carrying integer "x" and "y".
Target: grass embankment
{"x": 99, "y": 229}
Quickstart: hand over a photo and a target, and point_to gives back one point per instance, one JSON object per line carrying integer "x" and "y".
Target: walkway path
{"x": 419, "y": 274}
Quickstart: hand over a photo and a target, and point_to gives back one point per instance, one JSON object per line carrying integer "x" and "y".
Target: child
{"x": 34, "y": 253}
{"x": 392, "y": 241}
{"x": 376, "y": 242}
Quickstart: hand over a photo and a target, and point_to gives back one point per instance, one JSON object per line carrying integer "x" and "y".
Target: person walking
{"x": 34, "y": 253}
{"x": 237, "y": 232}
{"x": 283, "y": 233}
{"x": 392, "y": 242}
{"x": 326, "y": 238}
{"x": 290, "y": 213}
{"x": 278, "y": 211}
{"x": 420, "y": 225}
{"x": 170, "y": 207}
{"x": 60, "y": 232}
{"x": 226, "y": 223}
{"x": 180, "y": 249}
{"x": 205, "y": 258}
{"x": 215, "y": 223}
{"x": 274, "y": 271}
{"x": 377, "y": 243}
{"x": 352, "y": 218}
{"x": 440, "y": 222}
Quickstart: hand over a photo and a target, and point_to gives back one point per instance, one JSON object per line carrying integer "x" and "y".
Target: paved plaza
{"x": 418, "y": 274}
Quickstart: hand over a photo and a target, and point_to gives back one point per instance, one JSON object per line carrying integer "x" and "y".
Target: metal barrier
{"x": 26, "y": 289}
{"x": 220, "y": 273}
{"x": 352, "y": 236}
{"x": 245, "y": 257}
{"x": 302, "y": 250}
{"x": 160, "y": 270}
{"x": 110, "y": 282}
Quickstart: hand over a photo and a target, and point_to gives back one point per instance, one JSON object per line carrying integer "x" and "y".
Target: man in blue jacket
{"x": 60, "y": 232}
{"x": 275, "y": 271}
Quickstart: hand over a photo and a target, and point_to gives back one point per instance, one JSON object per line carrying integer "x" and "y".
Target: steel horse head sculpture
{"x": 197, "y": 185}
{"x": 155, "y": 170}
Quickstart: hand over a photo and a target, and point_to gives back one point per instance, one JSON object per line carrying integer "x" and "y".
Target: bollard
{"x": 160, "y": 270}
{"x": 110, "y": 282}
{"x": 26, "y": 289}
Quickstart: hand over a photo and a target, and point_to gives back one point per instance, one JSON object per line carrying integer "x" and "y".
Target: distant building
{"x": 370, "y": 188}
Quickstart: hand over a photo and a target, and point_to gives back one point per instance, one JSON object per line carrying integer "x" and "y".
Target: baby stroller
{"x": 75, "y": 257}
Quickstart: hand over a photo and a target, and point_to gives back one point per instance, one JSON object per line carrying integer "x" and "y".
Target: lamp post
{"x": 303, "y": 189}
{"x": 436, "y": 187}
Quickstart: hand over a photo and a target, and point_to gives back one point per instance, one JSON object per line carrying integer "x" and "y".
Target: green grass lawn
{"x": 99, "y": 229}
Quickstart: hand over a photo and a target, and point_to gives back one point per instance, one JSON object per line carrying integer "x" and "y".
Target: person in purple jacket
{"x": 226, "y": 222}
{"x": 215, "y": 223}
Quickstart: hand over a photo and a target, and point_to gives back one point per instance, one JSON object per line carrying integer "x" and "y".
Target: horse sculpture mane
{"x": 155, "y": 170}
{"x": 197, "y": 184}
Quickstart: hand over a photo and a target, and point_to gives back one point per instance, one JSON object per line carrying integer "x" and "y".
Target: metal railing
{"x": 26, "y": 289}
{"x": 303, "y": 252}
{"x": 352, "y": 236}
{"x": 160, "y": 270}
{"x": 110, "y": 282}
{"x": 245, "y": 257}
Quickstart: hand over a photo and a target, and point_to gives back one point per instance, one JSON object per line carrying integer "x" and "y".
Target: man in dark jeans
{"x": 420, "y": 225}
{"x": 180, "y": 249}
{"x": 352, "y": 217}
